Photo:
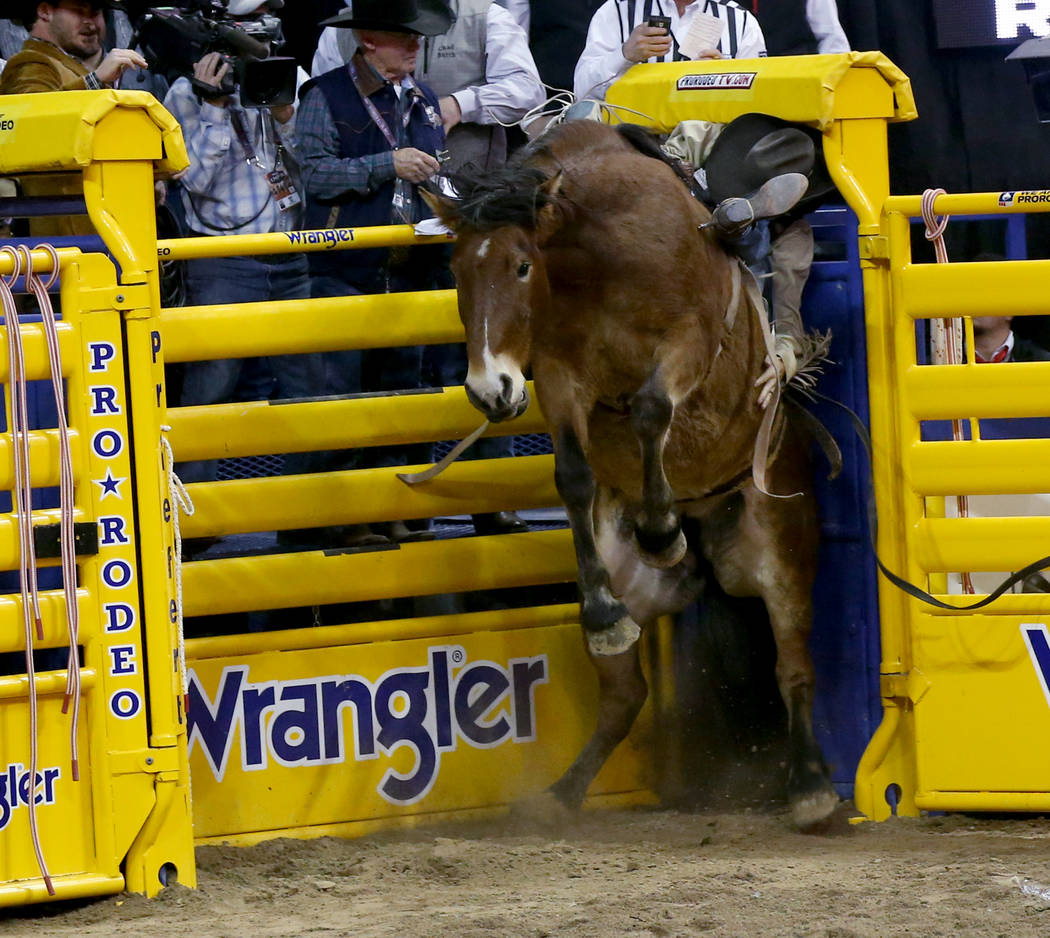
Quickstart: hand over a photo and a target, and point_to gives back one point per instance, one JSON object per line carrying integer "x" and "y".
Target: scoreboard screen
{"x": 965, "y": 23}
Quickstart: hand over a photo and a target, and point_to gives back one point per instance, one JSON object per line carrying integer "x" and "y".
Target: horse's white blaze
{"x": 486, "y": 380}
{"x": 483, "y": 248}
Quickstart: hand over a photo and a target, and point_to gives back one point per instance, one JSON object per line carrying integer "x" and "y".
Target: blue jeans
{"x": 222, "y": 280}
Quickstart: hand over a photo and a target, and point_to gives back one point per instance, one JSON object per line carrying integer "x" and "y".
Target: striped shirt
{"x": 222, "y": 192}
{"x": 602, "y": 61}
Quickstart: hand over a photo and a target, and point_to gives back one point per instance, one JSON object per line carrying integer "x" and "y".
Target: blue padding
{"x": 40, "y": 400}
{"x": 89, "y": 244}
{"x": 846, "y": 644}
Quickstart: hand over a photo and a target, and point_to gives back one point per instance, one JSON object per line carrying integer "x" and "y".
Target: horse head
{"x": 502, "y": 221}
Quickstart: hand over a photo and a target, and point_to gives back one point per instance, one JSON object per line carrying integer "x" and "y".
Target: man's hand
{"x": 451, "y": 112}
{"x": 414, "y": 165}
{"x": 210, "y": 71}
{"x": 282, "y": 113}
{"x": 709, "y": 54}
{"x": 117, "y": 63}
{"x": 645, "y": 42}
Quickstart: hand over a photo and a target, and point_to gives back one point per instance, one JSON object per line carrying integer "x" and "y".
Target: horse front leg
{"x": 621, "y": 694}
{"x": 611, "y": 636}
{"x": 658, "y": 529}
{"x": 609, "y": 628}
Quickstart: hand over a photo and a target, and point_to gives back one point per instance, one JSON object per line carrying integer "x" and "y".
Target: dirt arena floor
{"x": 622, "y": 873}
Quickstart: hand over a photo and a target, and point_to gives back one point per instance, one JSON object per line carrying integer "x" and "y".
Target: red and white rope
{"x": 67, "y": 536}
{"x": 27, "y": 553}
{"x": 946, "y": 333}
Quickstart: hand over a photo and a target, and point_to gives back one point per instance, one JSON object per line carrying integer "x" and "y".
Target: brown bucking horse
{"x": 587, "y": 259}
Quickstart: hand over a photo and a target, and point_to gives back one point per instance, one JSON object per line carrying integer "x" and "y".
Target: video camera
{"x": 174, "y": 38}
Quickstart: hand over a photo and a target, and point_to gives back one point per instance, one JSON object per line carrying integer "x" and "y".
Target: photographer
{"x": 242, "y": 179}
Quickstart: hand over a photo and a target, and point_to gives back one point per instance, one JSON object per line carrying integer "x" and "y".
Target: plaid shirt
{"x": 222, "y": 192}
{"x": 326, "y": 174}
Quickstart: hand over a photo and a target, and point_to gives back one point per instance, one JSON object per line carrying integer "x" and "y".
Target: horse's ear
{"x": 552, "y": 185}
{"x": 444, "y": 208}
{"x": 549, "y": 218}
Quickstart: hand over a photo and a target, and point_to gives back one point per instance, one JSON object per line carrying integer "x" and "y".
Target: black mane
{"x": 511, "y": 195}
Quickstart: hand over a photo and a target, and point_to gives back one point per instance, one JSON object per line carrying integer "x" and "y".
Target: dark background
{"x": 977, "y": 129}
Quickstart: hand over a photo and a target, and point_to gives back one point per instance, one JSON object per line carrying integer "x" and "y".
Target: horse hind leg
{"x": 786, "y": 561}
{"x": 658, "y": 529}
{"x": 810, "y": 792}
{"x": 769, "y": 550}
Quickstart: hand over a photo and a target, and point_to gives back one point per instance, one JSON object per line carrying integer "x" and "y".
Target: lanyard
{"x": 402, "y": 203}
{"x": 245, "y": 141}
{"x": 373, "y": 111}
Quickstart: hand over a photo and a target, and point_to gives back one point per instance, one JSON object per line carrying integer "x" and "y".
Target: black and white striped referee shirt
{"x": 602, "y": 61}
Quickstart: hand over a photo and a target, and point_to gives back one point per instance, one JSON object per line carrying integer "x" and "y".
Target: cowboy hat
{"x": 28, "y": 8}
{"x": 395, "y": 16}
{"x": 754, "y": 148}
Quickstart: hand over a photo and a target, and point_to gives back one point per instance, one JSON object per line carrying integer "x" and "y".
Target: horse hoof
{"x": 544, "y": 809}
{"x": 813, "y": 809}
{"x": 666, "y": 558}
{"x": 616, "y": 639}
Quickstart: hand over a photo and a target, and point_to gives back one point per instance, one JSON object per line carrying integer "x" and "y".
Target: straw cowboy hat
{"x": 395, "y": 16}
{"x": 756, "y": 147}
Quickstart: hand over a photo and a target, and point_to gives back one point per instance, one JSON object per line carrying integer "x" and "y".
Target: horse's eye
{"x": 523, "y": 270}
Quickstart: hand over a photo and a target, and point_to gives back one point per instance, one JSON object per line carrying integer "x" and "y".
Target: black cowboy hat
{"x": 754, "y": 148}
{"x": 432, "y": 18}
{"x": 27, "y": 9}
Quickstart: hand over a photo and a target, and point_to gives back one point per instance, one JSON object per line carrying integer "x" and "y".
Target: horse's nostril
{"x": 506, "y": 387}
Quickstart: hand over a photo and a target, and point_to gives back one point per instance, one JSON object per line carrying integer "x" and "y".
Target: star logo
{"x": 109, "y": 485}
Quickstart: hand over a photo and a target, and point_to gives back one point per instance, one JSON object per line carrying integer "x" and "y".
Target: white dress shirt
{"x": 519, "y": 9}
{"x": 823, "y": 19}
{"x": 512, "y": 85}
{"x": 602, "y": 61}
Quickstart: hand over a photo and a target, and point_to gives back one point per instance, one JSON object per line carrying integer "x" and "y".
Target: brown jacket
{"x": 41, "y": 66}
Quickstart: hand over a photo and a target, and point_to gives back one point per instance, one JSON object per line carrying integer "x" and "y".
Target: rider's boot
{"x": 733, "y": 217}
